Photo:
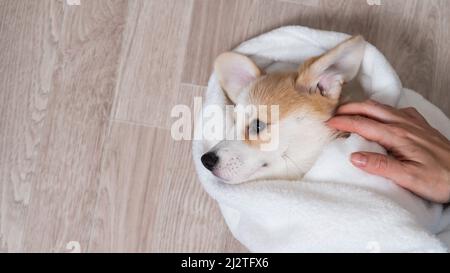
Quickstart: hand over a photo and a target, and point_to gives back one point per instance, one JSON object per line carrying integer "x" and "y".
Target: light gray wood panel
{"x": 220, "y": 25}
{"x": 152, "y": 60}
{"x": 131, "y": 183}
{"x": 439, "y": 90}
{"x": 66, "y": 181}
{"x": 314, "y": 3}
{"x": 27, "y": 56}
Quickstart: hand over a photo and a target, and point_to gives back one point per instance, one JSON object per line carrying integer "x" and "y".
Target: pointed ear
{"x": 235, "y": 72}
{"x": 327, "y": 73}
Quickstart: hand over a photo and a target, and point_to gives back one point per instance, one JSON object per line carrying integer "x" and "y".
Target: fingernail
{"x": 359, "y": 160}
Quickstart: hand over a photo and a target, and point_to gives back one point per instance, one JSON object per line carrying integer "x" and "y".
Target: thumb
{"x": 378, "y": 164}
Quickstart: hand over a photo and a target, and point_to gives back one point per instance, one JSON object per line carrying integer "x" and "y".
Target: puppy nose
{"x": 209, "y": 160}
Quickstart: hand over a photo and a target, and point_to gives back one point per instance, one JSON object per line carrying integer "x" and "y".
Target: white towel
{"x": 335, "y": 207}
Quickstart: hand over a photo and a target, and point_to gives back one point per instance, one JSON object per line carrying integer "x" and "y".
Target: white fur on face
{"x": 301, "y": 139}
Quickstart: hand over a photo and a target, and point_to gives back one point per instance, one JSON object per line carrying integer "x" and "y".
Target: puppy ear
{"x": 327, "y": 73}
{"x": 235, "y": 72}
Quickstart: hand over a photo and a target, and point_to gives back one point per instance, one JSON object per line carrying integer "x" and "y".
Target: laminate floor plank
{"x": 27, "y": 57}
{"x": 63, "y": 194}
{"x": 152, "y": 60}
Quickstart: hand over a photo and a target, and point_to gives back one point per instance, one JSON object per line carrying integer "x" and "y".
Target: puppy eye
{"x": 257, "y": 126}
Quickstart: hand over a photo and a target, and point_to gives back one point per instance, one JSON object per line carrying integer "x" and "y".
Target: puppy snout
{"x": 210, "y": 160}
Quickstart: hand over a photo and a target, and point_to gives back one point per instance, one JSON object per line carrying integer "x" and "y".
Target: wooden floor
{"x": 85, "y": 98}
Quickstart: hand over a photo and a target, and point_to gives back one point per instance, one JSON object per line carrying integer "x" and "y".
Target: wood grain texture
{"x": 27, "y": 51}
{"x": 82, "y": 92}
{"x": 152, "y": 62}
{"x": 218, "y": 26}
{"x": 314, "y": 3}
{"x": 133, "y": 171}
{"x": 85, "y": 98}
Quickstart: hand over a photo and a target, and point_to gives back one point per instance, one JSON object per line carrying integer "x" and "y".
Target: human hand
{"x": 418, "y": 155}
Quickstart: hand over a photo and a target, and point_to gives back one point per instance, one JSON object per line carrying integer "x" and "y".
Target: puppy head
{"x": 286, "y": 111}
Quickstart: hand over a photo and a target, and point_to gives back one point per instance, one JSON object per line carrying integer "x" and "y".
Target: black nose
{"x": 209, "y": 160}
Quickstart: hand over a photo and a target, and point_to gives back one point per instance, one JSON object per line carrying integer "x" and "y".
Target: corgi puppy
{"x": 306, "y": 99}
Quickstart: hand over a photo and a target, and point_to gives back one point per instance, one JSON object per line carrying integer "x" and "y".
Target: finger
{"x": 413, "y": 113}
{"x": 419, "y": 121}
{"x": 367, "y": 128}
{"x": 407, "y": 176}
{"x": 382, "y": 165}
{"x": 372, "y": 109}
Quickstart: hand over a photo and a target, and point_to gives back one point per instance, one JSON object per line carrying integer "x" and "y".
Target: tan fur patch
{"x": 280, "y": 89}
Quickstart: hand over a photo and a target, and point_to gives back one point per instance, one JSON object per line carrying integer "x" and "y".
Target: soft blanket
{"x": 335, "y": 207}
